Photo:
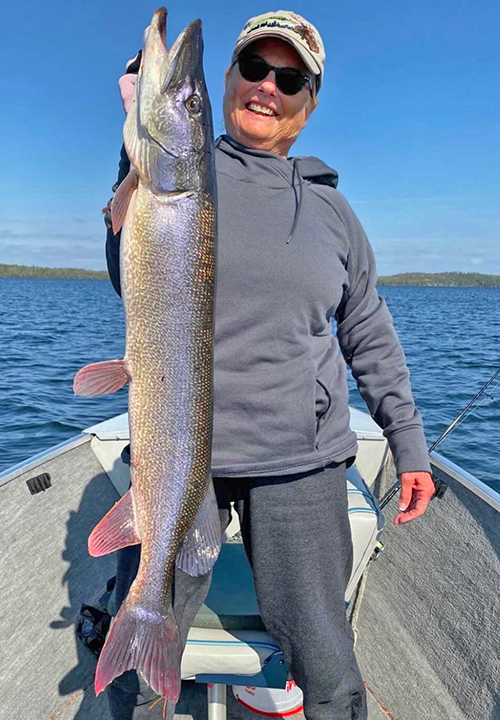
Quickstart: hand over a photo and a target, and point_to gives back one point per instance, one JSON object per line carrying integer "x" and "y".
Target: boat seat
{"x": 231, "y": 603}
{"x": 227, "y": 637}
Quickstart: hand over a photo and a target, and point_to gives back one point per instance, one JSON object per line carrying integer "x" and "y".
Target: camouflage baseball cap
{"x": 292, "y": 28}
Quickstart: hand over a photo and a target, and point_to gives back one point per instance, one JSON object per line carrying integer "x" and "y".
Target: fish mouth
{"x": 155, "y": 37}
{"x": 160, "y": 22}
{"x": 184, "y": 57}
{"x": 178, "y": 60}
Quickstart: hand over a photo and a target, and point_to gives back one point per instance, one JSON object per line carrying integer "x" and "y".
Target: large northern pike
{"x": 167, "y": 208}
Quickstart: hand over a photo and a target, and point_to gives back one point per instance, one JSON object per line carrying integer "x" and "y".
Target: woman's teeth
{"x": 255, "y": 107}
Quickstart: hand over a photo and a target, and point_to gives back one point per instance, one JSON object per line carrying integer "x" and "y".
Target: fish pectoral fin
{"x": 146, "y": 641}
{"x": 101, "y": 378}
{"x": 116, "y": 530}
{"x": 121, "y": 200}
{"x": 202, "y": 544}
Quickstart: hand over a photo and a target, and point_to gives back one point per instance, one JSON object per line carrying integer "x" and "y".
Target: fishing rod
{"x": 440, "y": 486}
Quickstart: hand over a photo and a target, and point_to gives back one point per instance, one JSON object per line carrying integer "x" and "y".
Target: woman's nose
{"x": 268, "y": 85}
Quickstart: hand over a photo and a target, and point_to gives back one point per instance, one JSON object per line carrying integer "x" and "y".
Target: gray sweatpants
{"x": 297, "y": 537}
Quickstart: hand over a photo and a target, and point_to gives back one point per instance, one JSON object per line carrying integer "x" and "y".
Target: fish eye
{"x": 193, "y": 104}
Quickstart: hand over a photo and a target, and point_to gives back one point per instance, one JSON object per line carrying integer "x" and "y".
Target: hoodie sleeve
{"x": 371, "y": 348}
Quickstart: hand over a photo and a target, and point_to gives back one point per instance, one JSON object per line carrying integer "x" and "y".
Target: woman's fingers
{"x": 417, "y": 488}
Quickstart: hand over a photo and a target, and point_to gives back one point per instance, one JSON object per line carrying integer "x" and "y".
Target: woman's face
{"x": 257, "y": 114}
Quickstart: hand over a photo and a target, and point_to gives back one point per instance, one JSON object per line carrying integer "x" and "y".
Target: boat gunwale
{"x": 465, "y": 478}
{"x": 456, "y": 472}
{"x": 42, "y": 457}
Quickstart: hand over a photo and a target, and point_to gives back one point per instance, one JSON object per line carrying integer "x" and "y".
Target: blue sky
{"x": 409, "y": 116}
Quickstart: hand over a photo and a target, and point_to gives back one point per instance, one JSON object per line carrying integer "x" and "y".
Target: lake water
{"x": 51, "y": 328}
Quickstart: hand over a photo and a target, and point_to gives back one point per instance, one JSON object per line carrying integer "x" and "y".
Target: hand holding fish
{"x": 127, "y": 87}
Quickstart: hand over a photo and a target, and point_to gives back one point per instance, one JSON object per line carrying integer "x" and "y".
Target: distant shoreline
{"x": 447, "y": 279}
{"x": 33, "y": 271}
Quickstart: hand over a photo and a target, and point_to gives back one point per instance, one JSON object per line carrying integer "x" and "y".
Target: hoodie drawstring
{"x": 298, "y": 204}
{"x": 295, "y": 173}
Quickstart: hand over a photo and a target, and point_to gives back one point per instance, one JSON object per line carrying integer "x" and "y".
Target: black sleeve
{"x": 112, "y": 240}
{"x": 134, "y": 65}
{"x": 113, "y": 258}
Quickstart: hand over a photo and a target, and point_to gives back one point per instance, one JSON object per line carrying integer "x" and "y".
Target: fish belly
{"x": 168, "y": 265}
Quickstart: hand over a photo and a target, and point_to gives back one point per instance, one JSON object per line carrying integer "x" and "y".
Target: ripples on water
{"x": 51, "y": 328}
{"x": 48, "y": 330}
{"x": 451, "y": 340}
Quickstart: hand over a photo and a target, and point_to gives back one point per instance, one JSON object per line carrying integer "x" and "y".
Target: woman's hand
{"x": 127, "y": 86}
{"x": 417, "y": 488}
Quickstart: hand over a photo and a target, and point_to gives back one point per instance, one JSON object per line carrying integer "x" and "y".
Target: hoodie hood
{"x": 316, "y": 171}
{"x": 263, "y": 165}
{"x": 271, "y": 170}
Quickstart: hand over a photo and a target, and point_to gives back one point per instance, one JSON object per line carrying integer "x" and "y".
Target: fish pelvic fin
{"x": 102, "y": 378}
{"x": 116, "y": 530}
{"x": 146, "y": 641}
{"x": 202, "y": 544}
{"x": 121, "y": 200}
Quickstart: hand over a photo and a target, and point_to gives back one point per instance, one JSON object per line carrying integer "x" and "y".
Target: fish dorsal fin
{"x": 116, "y": 530}
{"x": 121, "y": 200}
{"x": 202, "y": 544}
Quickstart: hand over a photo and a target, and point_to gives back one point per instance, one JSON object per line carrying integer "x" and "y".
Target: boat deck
{"x": 192, "y": 705}
{"x": 427, "y": 627}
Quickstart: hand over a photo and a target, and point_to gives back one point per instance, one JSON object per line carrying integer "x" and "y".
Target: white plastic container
{"x": 271, "y": 702}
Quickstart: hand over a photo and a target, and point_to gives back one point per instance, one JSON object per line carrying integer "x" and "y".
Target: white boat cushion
{"x": 223, "y": 639}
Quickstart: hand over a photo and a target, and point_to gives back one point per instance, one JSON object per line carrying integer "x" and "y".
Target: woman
{"x": 292, "y": 256}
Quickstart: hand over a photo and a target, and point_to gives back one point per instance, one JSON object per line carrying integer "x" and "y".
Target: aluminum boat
{"x": 425, "y": 610}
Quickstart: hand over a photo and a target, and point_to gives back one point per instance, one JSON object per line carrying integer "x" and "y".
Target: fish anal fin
{"x": 116, "y": 530}
{"x": 121, "y": 200}
{"x": 203, "y": 540}
{"x": 146, "y": 641}
{"x": 101, "y": 378}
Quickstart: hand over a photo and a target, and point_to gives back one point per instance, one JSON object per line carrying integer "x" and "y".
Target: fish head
{"x": 169, "y": 130}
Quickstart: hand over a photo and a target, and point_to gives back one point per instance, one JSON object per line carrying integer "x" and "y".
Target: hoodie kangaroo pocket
{"x": 323, "y": 405}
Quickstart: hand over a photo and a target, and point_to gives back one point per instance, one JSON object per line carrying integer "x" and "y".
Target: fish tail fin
{"x": 146, "y": 641}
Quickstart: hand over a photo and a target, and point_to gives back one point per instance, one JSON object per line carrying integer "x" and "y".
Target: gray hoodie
{"x": 292, "y": 257}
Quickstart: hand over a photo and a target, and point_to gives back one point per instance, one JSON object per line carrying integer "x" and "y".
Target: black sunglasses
{"x": 289, "y": 80}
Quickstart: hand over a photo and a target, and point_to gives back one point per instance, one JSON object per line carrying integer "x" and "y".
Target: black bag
{"x": 93, "y": 622}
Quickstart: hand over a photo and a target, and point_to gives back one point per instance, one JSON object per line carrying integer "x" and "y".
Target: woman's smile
{"x": 257, "y": 108}
{"x": 257, "y": 114}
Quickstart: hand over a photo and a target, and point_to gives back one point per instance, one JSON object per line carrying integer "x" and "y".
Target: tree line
{"x": 450, "y": 279}
{"x": 445, "y": 279}
{"x": 33, "y": 271}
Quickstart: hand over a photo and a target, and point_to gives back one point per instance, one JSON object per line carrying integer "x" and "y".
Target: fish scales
{"x": 169, "y": 351}
{"x": 166, "y": 208}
